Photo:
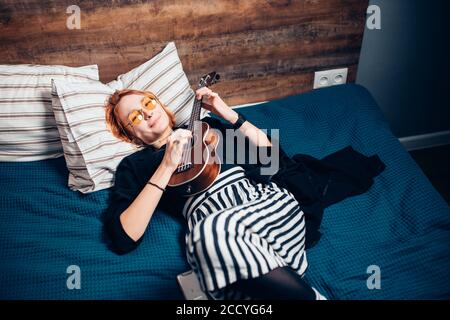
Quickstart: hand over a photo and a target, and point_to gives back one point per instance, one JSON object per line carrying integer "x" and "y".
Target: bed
{"x": 401, "y": 225}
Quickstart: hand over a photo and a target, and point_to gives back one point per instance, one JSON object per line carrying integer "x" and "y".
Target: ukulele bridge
{"x": 184, "y": 167}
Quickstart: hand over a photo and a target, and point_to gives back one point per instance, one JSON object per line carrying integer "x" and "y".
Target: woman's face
{"x": 153, "y": 125}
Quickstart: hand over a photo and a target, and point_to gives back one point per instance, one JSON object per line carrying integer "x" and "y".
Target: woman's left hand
{"x": 212, "y": 101}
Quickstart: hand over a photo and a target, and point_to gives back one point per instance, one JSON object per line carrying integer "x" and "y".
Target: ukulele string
{"x": 191, "y": 128}
{"x": 188, "y": 145}
{"x": 185, "y": 158}
{"x": 184, "y": 155}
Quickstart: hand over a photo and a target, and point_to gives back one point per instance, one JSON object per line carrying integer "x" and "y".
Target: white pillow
{"x": 28, "y": 129}
{"x": 92, "y": 153}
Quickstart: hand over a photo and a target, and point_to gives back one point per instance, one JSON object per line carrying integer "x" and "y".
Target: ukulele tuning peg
{"x": 209, "y": 79}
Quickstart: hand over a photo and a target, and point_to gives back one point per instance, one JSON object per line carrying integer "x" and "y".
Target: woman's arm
{"x": 137, "y": 216}
{"x": 253, "y": 133}
{"x": 216, "y": 105}
{"x": 133, "y": 201}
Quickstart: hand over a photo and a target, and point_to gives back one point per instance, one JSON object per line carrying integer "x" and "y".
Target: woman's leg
{"x": 280, "y": 283}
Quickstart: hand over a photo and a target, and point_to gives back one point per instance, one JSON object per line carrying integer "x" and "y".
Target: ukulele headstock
{"x": 209, "y": 79}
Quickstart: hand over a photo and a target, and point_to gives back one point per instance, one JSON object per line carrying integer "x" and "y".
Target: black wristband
{"x": 241, "y": 119}
{"x": 155, "y": 185}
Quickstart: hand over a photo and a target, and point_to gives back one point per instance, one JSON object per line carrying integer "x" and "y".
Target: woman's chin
{"x": 158, "y": 128}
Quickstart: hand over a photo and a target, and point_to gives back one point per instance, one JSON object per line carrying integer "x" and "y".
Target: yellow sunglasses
{"x": 136, "y": 116}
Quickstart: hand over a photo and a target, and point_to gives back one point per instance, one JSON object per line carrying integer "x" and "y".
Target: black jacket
{"x": 317, "y": 184}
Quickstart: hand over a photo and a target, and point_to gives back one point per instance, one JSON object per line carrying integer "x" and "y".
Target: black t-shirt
{"x": 135, "y": 170}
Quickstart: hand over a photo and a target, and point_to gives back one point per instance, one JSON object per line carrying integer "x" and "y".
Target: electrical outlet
{"x": 329, "y": 78}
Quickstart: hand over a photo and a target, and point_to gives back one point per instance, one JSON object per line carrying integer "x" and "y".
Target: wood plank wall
{"x": 262, "y": 49}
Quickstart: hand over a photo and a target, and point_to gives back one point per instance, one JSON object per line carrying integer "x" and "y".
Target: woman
{"x": 245, "y": 239}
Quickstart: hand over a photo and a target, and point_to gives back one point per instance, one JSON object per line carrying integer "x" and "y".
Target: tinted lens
{"x": 149, "y": 103}
{"x": 136, "y": 117}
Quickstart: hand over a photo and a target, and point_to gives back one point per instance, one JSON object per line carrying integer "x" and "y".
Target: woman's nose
{"x": 147, "y": 113}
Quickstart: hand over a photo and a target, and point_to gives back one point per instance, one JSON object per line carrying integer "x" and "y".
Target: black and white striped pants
{"x": 241, "y": 230}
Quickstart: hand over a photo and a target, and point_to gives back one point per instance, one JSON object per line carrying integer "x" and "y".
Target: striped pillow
{"x": 28, "y": 129}
{"x": 92, "y": 153}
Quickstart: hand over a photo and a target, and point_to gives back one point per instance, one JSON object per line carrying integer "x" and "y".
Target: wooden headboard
{"x": 262, "y": 49}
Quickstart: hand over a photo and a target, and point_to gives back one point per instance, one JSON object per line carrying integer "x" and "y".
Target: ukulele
{"x": 200, "y": 165}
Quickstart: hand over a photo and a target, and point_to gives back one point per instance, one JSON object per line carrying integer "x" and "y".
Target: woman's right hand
{"x": 174, "y": 148}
